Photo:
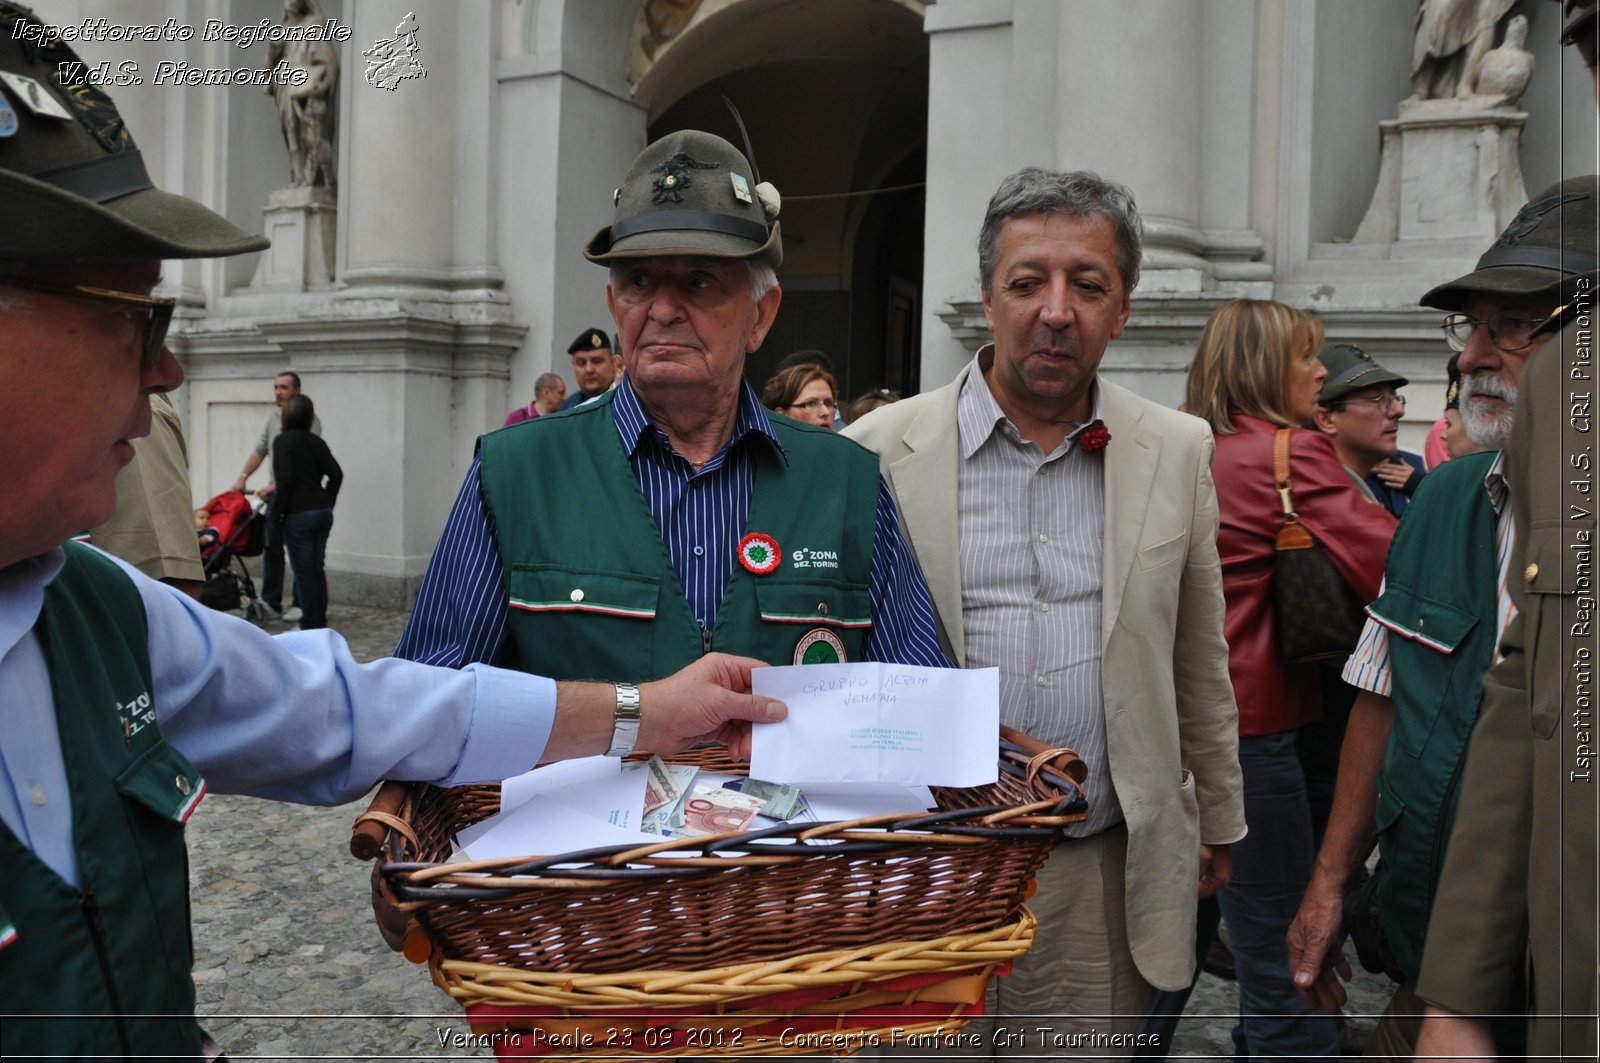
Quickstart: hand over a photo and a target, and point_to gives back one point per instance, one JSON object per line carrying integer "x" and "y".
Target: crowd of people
{"x": 1120, "y": 562}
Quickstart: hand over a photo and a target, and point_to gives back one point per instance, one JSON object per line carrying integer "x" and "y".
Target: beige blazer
{"x": 1171, "y": 724}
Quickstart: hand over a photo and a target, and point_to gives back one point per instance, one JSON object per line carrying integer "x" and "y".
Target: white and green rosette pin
{"x": 759, "y": 553}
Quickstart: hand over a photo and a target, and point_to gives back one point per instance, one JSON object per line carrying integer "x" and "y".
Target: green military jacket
{"x": 592, "y": 593}
{"x": 116, "y": 955}
{"x": 1439, "y": 603}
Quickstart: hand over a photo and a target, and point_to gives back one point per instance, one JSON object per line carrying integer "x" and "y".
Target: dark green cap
{"x": 1350, "y": 369}
{"x": 75, "y": 188}
{"x": 1548, "y": 245}
{"x": 691, "y": 193}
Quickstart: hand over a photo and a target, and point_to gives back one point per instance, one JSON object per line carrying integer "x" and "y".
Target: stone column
{"x": 1144, "y": 94}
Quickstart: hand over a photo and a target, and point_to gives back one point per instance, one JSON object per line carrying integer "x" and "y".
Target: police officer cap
{"x": 590, "y": 339}
{"x": 1548, "y": 245}
{"x": 691, "y": 193}
{"x": 1351, "y": 369}
{"x": 73, "y": 186}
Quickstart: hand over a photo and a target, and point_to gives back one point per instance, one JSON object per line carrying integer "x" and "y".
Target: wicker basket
{"x": 625, "y": 927}
{"x": 823, "y": 1002}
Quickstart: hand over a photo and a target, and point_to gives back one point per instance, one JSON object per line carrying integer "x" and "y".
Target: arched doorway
{"x": 834, "y": 94}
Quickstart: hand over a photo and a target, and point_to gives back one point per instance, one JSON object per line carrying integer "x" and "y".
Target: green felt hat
{"x": 1351, "y": 369}
{"x": 72, "y": 184}
{"x": 1547, "y": 246}
{"x": 691, "y": 193}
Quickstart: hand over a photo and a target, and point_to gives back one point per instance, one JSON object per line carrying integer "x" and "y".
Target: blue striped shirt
{"x": 460, "y": 614}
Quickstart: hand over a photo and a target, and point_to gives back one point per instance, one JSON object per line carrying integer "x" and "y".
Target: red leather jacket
{"x": 1273, "y": 695}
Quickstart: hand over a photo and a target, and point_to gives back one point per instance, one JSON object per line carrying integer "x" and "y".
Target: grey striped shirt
{"x": 1031, "y": 570}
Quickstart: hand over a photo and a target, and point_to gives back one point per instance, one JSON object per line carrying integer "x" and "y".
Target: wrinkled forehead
{"x": 680, "y": 265}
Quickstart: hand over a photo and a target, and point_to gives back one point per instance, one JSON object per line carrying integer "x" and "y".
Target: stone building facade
{"x": 421, "y": 296}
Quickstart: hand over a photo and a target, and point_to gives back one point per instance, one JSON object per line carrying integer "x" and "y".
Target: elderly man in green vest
{"x": 1434, "y": 631}
{"x": 674, "y": 515}
{"x": 122, "y": 700}
{"x": 1519, "y": 884}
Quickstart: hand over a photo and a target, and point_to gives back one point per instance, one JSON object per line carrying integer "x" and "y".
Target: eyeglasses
{"x": 1380, "y": 401}
{"x": 814, "y": 405}
{"x": 157, "y": 311}
{"x": 1509, "y": 330}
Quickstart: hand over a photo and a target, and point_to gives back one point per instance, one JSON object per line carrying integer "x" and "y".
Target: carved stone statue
{"x": 1507, "y": 70}
{"x": 307, "y": 112}
{"x": 1452, "y": 38}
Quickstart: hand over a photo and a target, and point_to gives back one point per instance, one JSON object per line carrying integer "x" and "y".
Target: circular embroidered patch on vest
{"x": 819, "y": 646}
{"x": 759, "y": 553}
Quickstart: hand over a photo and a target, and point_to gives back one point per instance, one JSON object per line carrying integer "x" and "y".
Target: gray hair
{"x": 1079, "y": 194}
{"x": 763, "y": 278}
{"x": 546, "y": 380}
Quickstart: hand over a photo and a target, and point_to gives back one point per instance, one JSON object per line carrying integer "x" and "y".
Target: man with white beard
{"x": 1432, "y": 634}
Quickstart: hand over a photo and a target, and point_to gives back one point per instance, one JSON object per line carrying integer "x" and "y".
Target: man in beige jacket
{"x": 1068, "y": 531}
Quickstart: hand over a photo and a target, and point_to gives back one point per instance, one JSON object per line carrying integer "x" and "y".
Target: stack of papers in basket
{"x": 860, "y": 740}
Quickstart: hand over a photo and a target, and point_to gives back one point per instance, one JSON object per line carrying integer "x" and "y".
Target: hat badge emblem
{"x": 1530, "y": 215}
{"x": 674, "y": 178}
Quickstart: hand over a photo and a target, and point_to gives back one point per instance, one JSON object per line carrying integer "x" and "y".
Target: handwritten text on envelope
{"x": 873, "y": 722}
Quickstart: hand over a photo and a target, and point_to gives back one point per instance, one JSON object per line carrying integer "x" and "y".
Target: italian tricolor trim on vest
{"x": 1406, "y": 633}
{"x": 816, "y": 618}
{"x": 580, "y": 607}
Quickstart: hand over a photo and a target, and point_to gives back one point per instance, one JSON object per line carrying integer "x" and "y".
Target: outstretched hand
{"x": 708, "y": 701}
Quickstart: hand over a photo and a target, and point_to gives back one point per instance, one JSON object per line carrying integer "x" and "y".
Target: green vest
{"x": 1440, "y": 588}
{"x": 117, "y": 955}
{"x": 591, "y": 588}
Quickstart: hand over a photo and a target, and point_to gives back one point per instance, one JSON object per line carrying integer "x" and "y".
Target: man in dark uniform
{"x": 1519, "y": 882}
{"x": 595, "y": 367}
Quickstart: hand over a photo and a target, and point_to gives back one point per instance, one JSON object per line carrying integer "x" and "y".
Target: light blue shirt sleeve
{"x": 292, "y": 717}
{"x": 296, "y": 718}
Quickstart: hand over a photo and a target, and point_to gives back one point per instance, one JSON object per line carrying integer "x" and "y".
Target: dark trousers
{"x": 272, "y": 563}
{"x": 1271, "y": 866}
{"x": 306, "y": 536}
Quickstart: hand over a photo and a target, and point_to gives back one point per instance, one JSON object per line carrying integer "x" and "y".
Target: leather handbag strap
{"x": 1292, "y": 535}
{"x": 1280, "y": 471}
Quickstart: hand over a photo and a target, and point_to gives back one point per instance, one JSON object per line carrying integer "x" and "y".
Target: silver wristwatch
{"x": 625, "y": 725}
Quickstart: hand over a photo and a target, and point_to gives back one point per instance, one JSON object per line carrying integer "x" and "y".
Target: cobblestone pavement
{"x": 288, "y": 964}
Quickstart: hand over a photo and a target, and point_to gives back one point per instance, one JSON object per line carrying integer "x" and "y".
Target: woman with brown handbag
{"x": 1255, "y": 375}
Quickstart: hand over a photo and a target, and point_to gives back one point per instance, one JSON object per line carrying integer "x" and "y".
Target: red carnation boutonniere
{"x": 1094, "y": 438}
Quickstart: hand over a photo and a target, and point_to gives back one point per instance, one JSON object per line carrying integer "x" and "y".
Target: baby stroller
{"x": 241, "y": 525}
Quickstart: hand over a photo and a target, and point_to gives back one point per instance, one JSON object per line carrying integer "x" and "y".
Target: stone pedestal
{"x": 1449, "y": 171}
{"x": 301, "y": 222}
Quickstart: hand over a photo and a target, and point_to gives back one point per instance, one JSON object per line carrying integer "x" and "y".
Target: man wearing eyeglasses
{"x": 117, "y": 692}
{"x": 676, "y": 525}
{"x": 1359, "y": 410}
{"x": 1431, "y": 636}
{"x": 1519, "y": 884}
